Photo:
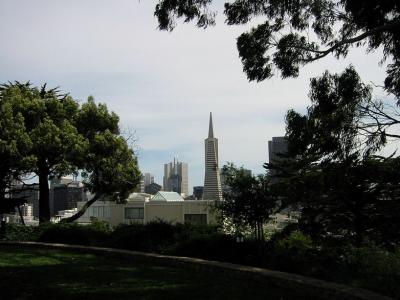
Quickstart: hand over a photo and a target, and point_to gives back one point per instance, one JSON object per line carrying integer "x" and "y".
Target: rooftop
{"x": 167, "y": 196}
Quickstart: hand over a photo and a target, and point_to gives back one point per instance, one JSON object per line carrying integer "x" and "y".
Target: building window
{"x": 196, "y": 219}
{"x": 134, "y": 213}
{"x": 98, "y": 212}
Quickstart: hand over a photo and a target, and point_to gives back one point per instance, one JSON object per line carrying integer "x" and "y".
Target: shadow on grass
{"x": 53, "y": 274}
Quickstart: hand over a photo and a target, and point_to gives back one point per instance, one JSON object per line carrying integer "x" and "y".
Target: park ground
{"x": 55, "y": 274}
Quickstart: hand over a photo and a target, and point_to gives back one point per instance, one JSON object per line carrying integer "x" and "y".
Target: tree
{"x": 247, "y": 200}
{"x": 110, "y": 170}
{"x": 298, "y": 32}
{"x": 15, "y": 145}
{"x": 66, "y": 138}
{"x": 331, "y": 172}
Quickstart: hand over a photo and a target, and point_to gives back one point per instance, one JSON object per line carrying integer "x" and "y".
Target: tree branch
{"x": 378, "y": 29}
{"x": 83, "y": 209}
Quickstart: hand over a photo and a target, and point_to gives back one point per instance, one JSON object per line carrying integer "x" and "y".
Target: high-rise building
{"x": 148, "y": 179}
{"x": 65, "y": 192}
{"x": 212, "y": 181}
{"x": 176, "y": 178}
{"x": 276, "y": 147}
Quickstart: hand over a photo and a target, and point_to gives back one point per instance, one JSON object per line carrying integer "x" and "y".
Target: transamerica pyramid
{"x": 212, "y": 181}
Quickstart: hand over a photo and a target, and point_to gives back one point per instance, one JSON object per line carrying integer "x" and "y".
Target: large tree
{"x": 66, "y": 138}
{"x": 110, "y": 166}
{"x": 293, "y": 33}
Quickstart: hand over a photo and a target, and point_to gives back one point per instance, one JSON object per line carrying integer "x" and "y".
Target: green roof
{"x": 167, "y": 196}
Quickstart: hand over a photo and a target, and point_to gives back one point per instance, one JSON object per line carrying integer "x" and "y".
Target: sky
{"x": 163, "y": 85}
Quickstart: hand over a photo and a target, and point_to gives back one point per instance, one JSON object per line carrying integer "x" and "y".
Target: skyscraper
{"x": 148, "y": 179}
{"x": 176, "y": 178}
{"x": 212, "y": 181}
{"x": 276, "y": 147}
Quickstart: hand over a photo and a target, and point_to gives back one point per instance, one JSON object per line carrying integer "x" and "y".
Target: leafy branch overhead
{"x": 294, "y": 33}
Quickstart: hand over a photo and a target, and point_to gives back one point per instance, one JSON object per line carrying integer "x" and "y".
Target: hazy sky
{"x": 161, "y": 84}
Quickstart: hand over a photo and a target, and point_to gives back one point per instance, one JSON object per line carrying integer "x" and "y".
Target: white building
{"x": 142, "y": 208}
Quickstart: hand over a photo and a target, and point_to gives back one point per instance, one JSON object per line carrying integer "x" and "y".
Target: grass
{"x": 55, "y": 274}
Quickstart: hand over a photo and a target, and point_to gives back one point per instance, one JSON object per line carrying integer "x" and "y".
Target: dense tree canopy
{"x": 294, "y": 33}
{"x": 331, "y": 172}
{"x": 15, "y": 145}
{"x": 57, "y": 136}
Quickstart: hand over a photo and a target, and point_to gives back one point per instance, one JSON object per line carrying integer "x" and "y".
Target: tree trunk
{"x": 82, "y": 211}
{"x": 262, "y": 231}
{"x": 44, "y": 199}
{"x": 20, "y": 215}
{"x": 2, "y": 227}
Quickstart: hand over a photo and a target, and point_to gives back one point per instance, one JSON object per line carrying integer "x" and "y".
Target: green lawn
{"x": 54, "y": 274}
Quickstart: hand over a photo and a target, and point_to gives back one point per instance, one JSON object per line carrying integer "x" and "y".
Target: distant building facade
{"x": 30, "y": 194}
{"x": 212, "y": 181}
{"x": 142, "y": 208}
{"x": 276, "y": 147}
{"x": 64, "y": 194}
{"x": 176, "y": 178}
{"x": 148, "y": 179}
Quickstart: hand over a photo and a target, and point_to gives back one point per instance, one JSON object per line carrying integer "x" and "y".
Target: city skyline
{"x": 162, "y": 85}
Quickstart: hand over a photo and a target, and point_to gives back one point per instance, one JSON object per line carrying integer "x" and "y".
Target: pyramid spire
{"x": 210, "y": 128}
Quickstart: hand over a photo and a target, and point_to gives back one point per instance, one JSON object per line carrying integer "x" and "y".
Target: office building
{"x": 65, "y": 192}
{"x": 277, "y": 147}
{"x": 212, "y": 182}
{"x": 176, "y": 178}
{"x": 148, "y": 179}
{"x": 31, "y": 195}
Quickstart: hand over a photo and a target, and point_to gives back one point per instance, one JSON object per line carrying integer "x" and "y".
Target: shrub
{"x": 292, "y": 253}
{"x": 374, "y": 268}
{"x": 72, "y": 233}
{"x": 153, "y": 237}
{"x": 214, "y": 246}
{"x": 17, "y": 232}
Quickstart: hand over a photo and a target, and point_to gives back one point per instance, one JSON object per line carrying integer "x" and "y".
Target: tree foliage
{"x": 15, "y": 145}
{"x": 247, "y": 200}
{"x": 297, "y": 32}
{"x": 331, "y": 172}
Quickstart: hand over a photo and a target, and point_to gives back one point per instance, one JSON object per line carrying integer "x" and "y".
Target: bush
{"x": 153, "y": 237}
{"x": 374, "y": 268}
{"x": 71, "y": 233}
{"x": 17, "y": 232}
{"x": 293, "y": 253}
{"x": 215, "y": 246}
